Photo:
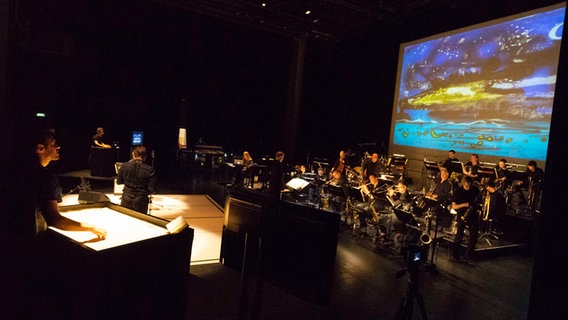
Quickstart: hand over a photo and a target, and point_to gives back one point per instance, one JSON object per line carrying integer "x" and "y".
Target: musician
{"x": 371, "y": 192}
{"x": 451, "y": 163}
{"x": 317, "y": 186}
{"x": 443, "y": 193}
{"x": 372, "y": 165}
{"x": 495, "y": 203}
{"x": 535, "y": 176}
{"x": 339, "y": 191}
{"x": 402, "y": 200}
{"x": 400, "y": 196}
{"x": 466, "y": 203}
{"x": 502, "y": 182}
{"x": 443, "y": 190}
{"x": 472, "y": 167}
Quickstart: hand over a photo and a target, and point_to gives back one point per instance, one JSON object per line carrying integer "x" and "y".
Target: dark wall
{"x": 150, "y": 68}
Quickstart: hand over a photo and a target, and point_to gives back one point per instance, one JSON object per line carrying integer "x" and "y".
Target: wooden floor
{"x": 365, "y": 285}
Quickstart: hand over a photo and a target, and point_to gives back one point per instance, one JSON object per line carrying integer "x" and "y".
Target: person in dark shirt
{"x": 466, "y": 203}
{"x": 98, "y": 140}
{"x": 139, "y": 181}
{"x": 502, "y": 180}
{"x": 27, "y": 275}
{"x": 372, "y": 166}
{"x": 471, "y": 168}
{"x": 452, "y": 163}
{"x": 443, "y": 190}
{"x": 276, "y": 182}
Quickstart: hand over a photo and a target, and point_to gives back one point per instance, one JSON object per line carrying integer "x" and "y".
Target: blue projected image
{"x": 488, "y": 90}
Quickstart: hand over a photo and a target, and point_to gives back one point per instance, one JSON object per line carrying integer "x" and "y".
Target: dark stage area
{"x": 238, "y": 76}
{"x": 365, "y": 283}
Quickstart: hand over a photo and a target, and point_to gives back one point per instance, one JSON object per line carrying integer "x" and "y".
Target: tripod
{"x": 406, "y": 307}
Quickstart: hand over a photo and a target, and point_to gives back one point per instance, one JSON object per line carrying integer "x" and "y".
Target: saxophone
{"x": 472, "y": 207}
{"x": 375, "y": 214}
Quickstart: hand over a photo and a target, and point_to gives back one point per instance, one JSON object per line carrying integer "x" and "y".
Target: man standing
{"x": 372, "y": 166}
{"x": 466, "y": 203}
{"x": 98, "y": 139}
{"x": 139, "y": 181}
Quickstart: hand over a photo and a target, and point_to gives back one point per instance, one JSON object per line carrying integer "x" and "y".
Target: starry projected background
{"x": 487, "y": 89}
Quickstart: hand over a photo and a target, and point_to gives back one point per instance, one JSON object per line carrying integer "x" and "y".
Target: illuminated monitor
{"x": 485, "y": 89}
{"x": 137, "y": 138}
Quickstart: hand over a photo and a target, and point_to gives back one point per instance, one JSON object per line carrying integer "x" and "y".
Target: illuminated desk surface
{"x": 202, "y": 214}
{"x": 122, "y": 229}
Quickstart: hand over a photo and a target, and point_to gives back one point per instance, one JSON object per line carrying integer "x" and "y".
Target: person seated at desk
{"x": 98, "y": 139}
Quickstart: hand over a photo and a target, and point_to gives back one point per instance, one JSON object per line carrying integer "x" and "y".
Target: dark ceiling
{"x": 327, "y": 19}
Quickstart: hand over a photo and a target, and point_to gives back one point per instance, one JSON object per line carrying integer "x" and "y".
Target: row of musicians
{"x": 503, "y": 174}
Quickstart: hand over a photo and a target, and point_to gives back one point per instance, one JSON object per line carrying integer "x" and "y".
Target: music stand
{"x": 356, "y": 194}
{"x": 487, "y": 172}
{"x": 431, "y": 166}
{"x": 404, "y": 216}
{"x": 297, "y": 184}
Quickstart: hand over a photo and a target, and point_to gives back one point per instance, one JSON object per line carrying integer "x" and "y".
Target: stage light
{"x": 40, "y": 115}
{"x": 308, "y": 12}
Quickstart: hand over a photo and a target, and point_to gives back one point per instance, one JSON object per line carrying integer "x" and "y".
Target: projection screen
{"x": 485, "y": 89}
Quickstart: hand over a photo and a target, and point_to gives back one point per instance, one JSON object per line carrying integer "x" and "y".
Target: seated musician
{"x": 502, "y": 182}
{"x": 317, "y": 186}
{"x": 442, "y": 194}
{"x": 370, "y": 207}
{"x": 443, "y": 189}
{"x": 400, "y": 197}
{"x": 339, "y": 190}
{"x": 401, "y": 200}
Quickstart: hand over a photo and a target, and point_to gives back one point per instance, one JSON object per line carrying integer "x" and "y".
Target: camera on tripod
{"x": 414, "y": 257}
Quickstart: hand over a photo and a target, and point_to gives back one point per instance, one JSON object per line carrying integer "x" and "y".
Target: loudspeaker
{"x": 92, "y": 197}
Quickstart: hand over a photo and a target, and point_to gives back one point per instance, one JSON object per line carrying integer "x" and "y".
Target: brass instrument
{"x": 375, "y": 214}
{"x": 366, "y": 193}
{"x": 425, "y": 237}
{"x": 472, "y": 207}
{"x": 486, "y": 207}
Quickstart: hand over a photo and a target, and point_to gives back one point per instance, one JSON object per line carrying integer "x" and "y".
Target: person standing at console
{"x": 139, "y": 181}
{"x": 98, "y": 139}
{"x": 34, "y": 206}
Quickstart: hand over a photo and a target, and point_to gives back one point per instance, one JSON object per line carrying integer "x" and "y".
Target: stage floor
{"x": 201, "y": 212}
